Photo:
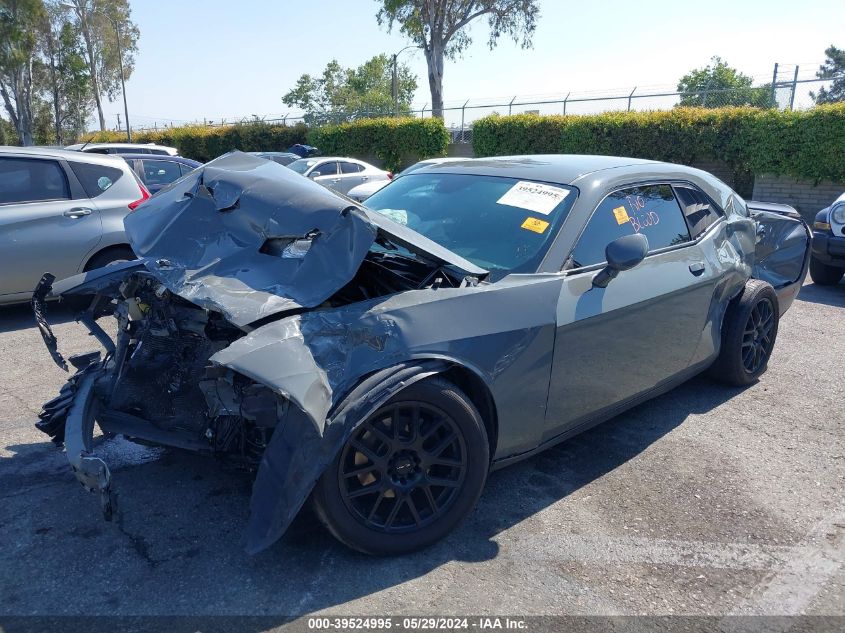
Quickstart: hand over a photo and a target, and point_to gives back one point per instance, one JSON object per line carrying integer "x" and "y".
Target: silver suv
{"x": 61, "y": 212}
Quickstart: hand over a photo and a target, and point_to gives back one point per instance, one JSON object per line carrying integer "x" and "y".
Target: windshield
{"x": 502, "y": 224}
{"x": 301, "y": 166}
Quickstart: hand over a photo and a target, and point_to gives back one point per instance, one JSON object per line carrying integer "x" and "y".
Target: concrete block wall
{"x": 805, "y": 196}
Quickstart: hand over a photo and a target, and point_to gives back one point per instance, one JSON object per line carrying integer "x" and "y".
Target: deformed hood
{"x": 250, "y": 238}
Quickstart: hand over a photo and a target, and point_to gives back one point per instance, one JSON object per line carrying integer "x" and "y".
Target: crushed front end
{"x": 229, "y": 329}
{"x": 155, "y": 384}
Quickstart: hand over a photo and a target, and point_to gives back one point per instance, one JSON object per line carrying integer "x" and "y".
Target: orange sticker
{"x": 535, "y": 224}
{"x": 621, "y": 215}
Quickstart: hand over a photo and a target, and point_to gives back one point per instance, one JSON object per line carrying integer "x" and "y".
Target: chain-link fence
{"x": 788, "y": 87}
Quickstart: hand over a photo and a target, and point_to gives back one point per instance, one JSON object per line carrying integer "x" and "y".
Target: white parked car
{"x": 364, "y": 191}
{"x": 338, "y": 173}
{"x": 124, "y": 148}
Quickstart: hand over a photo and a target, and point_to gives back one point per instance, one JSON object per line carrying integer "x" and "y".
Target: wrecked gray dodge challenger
{"x": 381, "y": 360}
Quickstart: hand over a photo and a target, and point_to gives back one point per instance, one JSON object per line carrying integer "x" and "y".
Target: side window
{"x": 157, "y": 152}
{"x": 95, "y": 178}
{"x": 31, "y": 180}
{"x": 327, "y": 169}
{"x": 160, "y": 172}
{"x": 700, "y": 212}
{"x": 350, "y": 168}
{"x": 651, "y": 210}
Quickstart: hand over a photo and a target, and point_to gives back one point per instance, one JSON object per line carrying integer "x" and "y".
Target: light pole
{"x": 119, "y": 59}
{"x": 394, "y": 83}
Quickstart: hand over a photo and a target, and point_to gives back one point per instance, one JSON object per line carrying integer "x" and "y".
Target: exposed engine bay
{"x": 156, "y": 383}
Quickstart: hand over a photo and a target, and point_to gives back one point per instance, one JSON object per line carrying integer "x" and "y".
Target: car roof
{"x": 79, "y": 146}
{"x": 62, "y": 154}
{"x": 177, "y": 159}
{"x": 346, "y": 158}
{"x": 559, "y": 168}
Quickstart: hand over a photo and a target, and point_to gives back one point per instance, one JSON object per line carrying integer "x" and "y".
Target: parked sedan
{"x": 159, "y": 171}
{"x": 384, "y": 366}
{"x": 827, "y": 266}
{"x": 283, "y": 158}
{"x": 61, "y": 211}
{"x": 339, "y": 174}
{"x": 124, "y": 148}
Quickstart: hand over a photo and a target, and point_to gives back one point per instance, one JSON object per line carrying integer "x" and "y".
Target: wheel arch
{"x": 100, "y": 251}
{"x": 297, "y": 454}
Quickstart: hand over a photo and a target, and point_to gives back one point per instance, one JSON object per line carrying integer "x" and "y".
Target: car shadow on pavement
{"x": 19, "y": 316}
{"x": 827, "y": 295}
{"x": 177, "y": 547}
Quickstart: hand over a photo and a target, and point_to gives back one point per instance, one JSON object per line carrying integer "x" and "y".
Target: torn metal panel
{"x": 781, "y": 253}
{"x": 249, "y": 238}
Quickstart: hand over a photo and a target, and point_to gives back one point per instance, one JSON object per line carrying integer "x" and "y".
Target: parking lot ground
{"x": 707, "y": 500}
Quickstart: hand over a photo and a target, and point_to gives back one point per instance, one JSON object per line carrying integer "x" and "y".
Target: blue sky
{"x": 217, "y": 59}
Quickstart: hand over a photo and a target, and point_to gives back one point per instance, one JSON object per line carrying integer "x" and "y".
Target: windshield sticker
{"x": 400, "y": 216}
{"x": 535, "y": 224}
{"x": 533, "y": 196}
{"x": 621, "y": 215}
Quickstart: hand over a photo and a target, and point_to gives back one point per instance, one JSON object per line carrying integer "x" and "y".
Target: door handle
{"x": 365, "y": 177}
{"x": 335, "y": 179}
{"x": 77, "y": 212}
{"x": 696, "y": 268}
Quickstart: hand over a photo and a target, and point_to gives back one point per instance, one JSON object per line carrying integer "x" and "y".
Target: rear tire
{"x": 114, "y": 255}
{"x": 424, "y": 458}
{"x": 748, "y": 335}
{"x": 825, "y": 275}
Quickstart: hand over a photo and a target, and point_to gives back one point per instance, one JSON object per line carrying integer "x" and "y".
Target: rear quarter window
{"x": 699, "y": 210}
{"x": 95, "y": 179}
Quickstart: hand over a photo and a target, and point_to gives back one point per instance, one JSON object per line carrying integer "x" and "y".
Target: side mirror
{"x": 621, "y": 254}
{"x": 314, "y": 174}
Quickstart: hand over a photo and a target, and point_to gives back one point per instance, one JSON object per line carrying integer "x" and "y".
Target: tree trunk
{"x": 92, "y": 68}
{"x": 434, "y": 59}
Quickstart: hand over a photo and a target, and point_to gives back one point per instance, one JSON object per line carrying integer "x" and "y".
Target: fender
{"x": 298, "y": 453}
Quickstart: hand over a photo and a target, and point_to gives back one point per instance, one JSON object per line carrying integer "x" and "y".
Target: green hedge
{"x": 394, "y": 141}
{"x": 204, "y": 143}
{"x": 804, "y": 144}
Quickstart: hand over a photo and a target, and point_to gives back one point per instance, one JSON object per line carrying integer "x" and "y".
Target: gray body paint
{"x": 552, "y": 354}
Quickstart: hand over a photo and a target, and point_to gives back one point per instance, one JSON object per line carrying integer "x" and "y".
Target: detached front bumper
{"x": 69, "y": 418}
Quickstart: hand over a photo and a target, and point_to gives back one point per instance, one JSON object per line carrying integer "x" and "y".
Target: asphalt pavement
{"x": 705, "y": 501}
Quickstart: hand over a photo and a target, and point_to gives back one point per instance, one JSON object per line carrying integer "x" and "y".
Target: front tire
{"x": 409, "y": 474}
{"x": 825, "y": 275}
{"x": 749, "y": 331}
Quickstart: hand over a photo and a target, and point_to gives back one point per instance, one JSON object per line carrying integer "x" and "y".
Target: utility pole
{"x": 118, "y": 120}
{"x": 394, "y": 78}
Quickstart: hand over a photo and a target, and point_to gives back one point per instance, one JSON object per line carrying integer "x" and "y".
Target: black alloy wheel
{"x": 402, "y": 468}
{"x": 408, "y": 474}
{"x": 757, "y": 338}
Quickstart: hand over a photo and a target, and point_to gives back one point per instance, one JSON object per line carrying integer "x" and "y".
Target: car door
{"x": 351, "y": 175}
{"x": 328, "y": 174}
{"x": 159, "y": 173}
{"x": 641, "y": 331}
{"x": 44, "y": 225}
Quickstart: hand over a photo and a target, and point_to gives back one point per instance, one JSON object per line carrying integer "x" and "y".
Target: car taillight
{"x": 390, "y": 175}
{"x": 145, "y": 195}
